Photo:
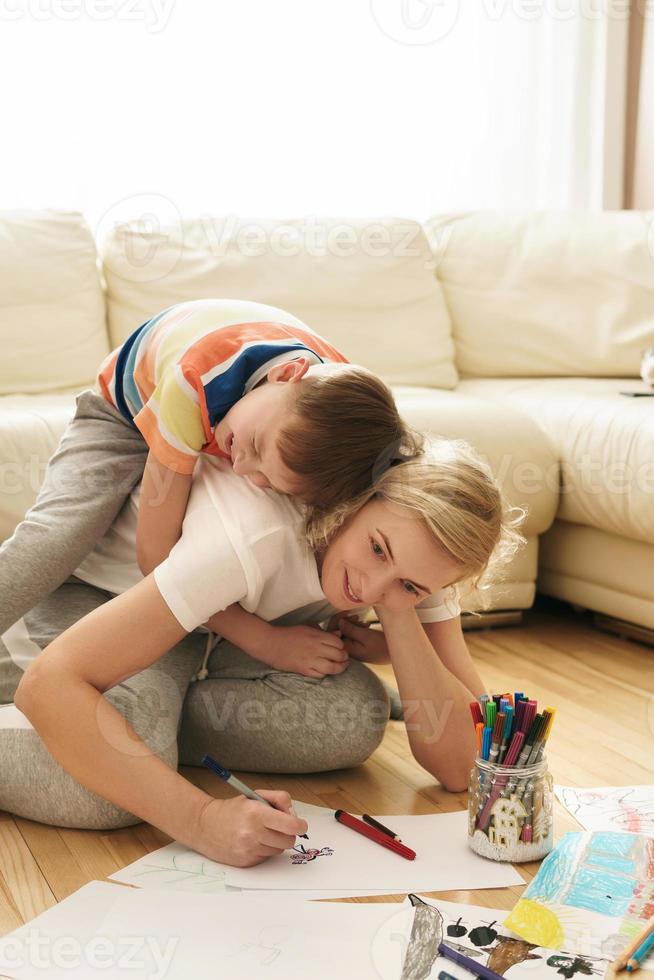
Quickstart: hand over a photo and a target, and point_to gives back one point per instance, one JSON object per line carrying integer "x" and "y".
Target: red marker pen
{"x": 362, "y": 828}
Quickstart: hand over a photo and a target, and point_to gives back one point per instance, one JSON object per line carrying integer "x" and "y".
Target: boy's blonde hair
{"x": 343, "y": 430}
{"x": 454, "y": 494}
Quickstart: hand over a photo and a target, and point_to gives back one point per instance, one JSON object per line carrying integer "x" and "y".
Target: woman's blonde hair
{"x": 454, "y": 494}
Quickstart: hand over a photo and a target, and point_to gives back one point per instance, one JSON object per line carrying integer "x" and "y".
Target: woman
{"x": 426, "y": 525}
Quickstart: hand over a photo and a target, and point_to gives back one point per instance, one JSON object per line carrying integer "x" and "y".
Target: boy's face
{"x": 250, "y": 431}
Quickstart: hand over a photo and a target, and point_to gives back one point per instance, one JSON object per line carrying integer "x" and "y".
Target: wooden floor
{"x": 602, "y": 686}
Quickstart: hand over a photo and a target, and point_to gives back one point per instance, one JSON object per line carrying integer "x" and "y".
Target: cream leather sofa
{"x": 513, "y": 331}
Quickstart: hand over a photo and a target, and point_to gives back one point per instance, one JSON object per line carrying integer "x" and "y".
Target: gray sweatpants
{"x": 250, "y": 716}
{"x": 99, "y": 460}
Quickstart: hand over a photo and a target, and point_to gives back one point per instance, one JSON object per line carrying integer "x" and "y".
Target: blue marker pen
{"x": 237, "y": 784}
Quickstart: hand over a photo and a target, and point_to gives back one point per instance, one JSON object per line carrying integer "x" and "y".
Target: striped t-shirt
{"x": 180, "y": 372}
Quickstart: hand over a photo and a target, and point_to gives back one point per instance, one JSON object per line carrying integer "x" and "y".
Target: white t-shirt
{"x": 239, "y": 543}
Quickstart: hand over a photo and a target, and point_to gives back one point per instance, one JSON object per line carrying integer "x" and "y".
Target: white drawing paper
{"x": 621, "y": 808}
{"x": 175, "y": 867}
{"x": 179, "y": 868}
{"x": 110, "y": 931}
{"x": 217, "y": 937}
{"x": 67, "y": 932}
{"x": 342, "y": 858}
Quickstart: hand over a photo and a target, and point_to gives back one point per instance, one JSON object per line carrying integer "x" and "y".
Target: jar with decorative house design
{"x": 510, "y": 811}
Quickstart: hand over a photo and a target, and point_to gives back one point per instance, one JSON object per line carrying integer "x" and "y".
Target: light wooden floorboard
{"x": 601, "y": 685}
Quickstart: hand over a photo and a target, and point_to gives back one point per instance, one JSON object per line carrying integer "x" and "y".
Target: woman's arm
{"x": 436, "y": 701}
{"x": 61, "y": 694}
{"x": 162, "y": 505}
{"x": 449, "y": 643}
{"x": 445, "y": 637}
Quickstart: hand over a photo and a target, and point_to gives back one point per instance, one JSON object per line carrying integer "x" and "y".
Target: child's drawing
{"x": 426, "y": 934}
{"x": 622, "y": 808}
{"x": 594, "y": 888}
{"x": 479, "y": 934}
{"x": 302, "y": 854}
{"x": 268, "y": 946}
{"x": 569, "y": 966}
{"x": 175, "y": 866}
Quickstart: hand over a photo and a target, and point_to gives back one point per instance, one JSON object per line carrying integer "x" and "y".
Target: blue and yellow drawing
{"x": 608, "y": 873}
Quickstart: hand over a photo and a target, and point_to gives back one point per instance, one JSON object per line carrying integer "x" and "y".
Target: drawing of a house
{"x": 507, "y": 818}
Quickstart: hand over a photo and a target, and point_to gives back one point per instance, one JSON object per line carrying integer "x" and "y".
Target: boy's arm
{"x": 306, "y": 650}
{"x": 162, "y": 505}
{"x": 243, "y": 629}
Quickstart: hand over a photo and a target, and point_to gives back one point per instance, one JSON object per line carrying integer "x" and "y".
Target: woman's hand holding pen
{"x": 243, "y": 832}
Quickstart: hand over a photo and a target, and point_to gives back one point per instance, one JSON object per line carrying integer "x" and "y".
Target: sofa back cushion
{"x": 547, "y": 293}
{"x": 367, "y": 286}
{"x": 52, "y": 313}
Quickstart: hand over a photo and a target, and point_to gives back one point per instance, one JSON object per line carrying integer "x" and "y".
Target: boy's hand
{"x": 306, "y": 650}
{"x": 362, "y": 642}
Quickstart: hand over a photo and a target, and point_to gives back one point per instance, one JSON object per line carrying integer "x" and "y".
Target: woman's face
{"x": 384, "y": 556}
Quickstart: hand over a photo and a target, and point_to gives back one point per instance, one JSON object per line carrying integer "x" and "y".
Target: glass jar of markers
{"x": 510, "y": 811}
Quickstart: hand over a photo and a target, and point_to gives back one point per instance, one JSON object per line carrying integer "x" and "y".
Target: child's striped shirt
{"x": 180, "y": 372}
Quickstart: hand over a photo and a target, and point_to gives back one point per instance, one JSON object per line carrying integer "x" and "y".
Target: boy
{"x": 231, "y": 378}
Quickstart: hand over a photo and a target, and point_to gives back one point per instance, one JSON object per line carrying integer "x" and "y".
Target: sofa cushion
{"x": 519, "y": 454}
{"x": 30, "y": 429}
{"x": 52, "y": 313}
{"x": 368, "y": 286}
{"x": 603, "y": 440}
{"x": 606, "y": 572}
{"x": 547, "y": 293}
